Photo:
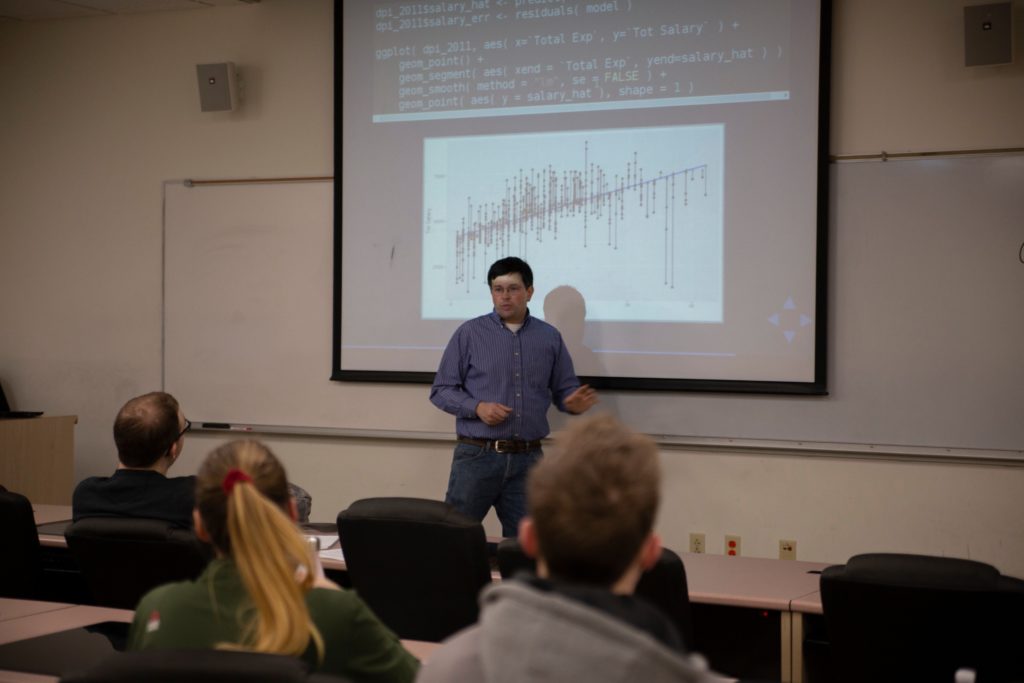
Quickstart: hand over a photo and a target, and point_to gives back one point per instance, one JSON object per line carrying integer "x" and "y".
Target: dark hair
{"x": 145, "y": 429}
{"x": 509, "y": 265}
{"x": 594, "y": 499}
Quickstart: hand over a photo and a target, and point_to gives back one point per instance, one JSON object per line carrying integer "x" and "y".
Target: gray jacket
{"x": 525, "y": 634}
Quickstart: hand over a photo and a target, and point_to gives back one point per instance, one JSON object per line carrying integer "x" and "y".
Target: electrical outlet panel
{"x": 787, "y": 550}
{"x": 696, "y": 543}
{"x": 732, "y": 545}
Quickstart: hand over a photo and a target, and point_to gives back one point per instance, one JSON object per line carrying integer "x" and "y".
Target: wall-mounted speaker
{"x": 218, "y": 86}
{"x": 988, "y": 34}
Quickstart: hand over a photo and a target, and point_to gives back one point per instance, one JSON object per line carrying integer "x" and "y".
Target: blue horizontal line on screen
{"x": 699, "y": 100}
{"x": 372, "y": 347}
{"x": 713, "y": 354}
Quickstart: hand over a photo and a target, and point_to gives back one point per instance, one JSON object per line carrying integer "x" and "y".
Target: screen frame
{"x": 817, "y": 387}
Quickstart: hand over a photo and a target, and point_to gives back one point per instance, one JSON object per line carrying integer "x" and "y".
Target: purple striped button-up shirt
{"x": 527, "y": 371}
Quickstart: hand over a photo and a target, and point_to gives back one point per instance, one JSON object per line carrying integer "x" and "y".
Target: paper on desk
{"x": 332, "y": 554}
{"x": 326, "y": 541}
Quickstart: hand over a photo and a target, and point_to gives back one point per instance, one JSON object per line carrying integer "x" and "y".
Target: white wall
{"x": 97, "y": 113}
{"x": 899, "y": 83}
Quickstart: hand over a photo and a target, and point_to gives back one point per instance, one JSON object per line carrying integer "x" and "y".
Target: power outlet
{"x": 732, "y": 545}
{"x": 787, "y": 550}
{"x": 696, "y": 543}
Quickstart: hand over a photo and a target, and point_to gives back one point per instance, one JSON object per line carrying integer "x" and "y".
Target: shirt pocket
{"x": 537, "y": 366}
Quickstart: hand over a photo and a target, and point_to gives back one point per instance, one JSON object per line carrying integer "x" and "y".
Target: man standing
{"x": 593, "y": 504}
{"x": 498, "y": 376}
{"x": 149, "y": 433}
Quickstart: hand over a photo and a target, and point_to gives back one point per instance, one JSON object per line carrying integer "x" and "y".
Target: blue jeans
{"x": 481, "y": 477}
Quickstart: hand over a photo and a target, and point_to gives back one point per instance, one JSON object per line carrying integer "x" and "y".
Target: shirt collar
{"x": 497, "y": 318}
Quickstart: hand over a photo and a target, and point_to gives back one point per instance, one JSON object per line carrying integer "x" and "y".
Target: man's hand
{"x": 581, "y": 400}
{"x": 492, "y": 413}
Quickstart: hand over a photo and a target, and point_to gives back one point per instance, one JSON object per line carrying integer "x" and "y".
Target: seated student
{"x": 265, "y": 591}
{"x": 149, "y": 432}
{"x": 591, "y": 506}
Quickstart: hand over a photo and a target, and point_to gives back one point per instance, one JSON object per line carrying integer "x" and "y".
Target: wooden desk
{"x": 785, "y": 588}
{"x": 23, "y": 619}
{"x": 61, "y": 617}
{"x": 12, "y": 608}
{"x": 745, "y": 582}
{"x": 37, "y": 458}
{"x": 758, "y": 583}
{"x": 45, "y": 514}
{"x": 800, "y": 609}
{"x": 749, "y": 581}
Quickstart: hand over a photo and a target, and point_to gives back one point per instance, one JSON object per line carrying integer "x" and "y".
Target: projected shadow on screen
{"x": 566, "y": 309}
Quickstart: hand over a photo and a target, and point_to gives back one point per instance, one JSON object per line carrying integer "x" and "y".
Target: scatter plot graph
{"x": 630, "y": 217}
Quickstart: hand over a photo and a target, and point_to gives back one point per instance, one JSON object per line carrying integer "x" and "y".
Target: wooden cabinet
{"x": 37, "y": 458}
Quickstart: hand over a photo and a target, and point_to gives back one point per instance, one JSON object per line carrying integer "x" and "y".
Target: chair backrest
{"x": 895, "y": 617}
{"x": 664, "y": 584}
{"x": 419, "y": 564}
{"x": 21, "y": 569}
{"x": 122, "y": 558}
{"x": 198, "y": 666}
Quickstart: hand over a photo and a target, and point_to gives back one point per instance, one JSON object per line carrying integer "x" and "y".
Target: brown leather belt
{"x": 502, "y": 445}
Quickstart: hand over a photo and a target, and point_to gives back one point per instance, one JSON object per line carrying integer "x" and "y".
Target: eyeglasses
{"x": 188, "y": 427}
{"x": 511, "y": 290}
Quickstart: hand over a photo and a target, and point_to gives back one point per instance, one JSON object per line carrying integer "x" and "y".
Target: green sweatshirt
{"x": 212, "y": 609}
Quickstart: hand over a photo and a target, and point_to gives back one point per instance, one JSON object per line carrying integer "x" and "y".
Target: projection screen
{"x": 661, "y": 165}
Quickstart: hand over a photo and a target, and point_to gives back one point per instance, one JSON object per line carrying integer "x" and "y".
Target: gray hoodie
{"x": 526, "y": 634}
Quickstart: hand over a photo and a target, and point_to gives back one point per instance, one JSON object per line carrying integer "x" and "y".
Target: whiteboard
{"x": 926, "y": 325}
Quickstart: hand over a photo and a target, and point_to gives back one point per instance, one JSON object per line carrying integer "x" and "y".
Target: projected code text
{"x": 490, "y": 57}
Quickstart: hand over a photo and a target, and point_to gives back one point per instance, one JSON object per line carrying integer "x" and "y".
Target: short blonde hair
{"x": 594, "y": 500}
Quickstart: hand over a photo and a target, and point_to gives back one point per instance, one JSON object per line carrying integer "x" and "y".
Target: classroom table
{"x": 23, "y": 619}
{"x": 759, "y": 583}
{"x": 780, "y": 587}
{"x": 51, "y": 617}
{"x": 805, "y": 607}
{"x": 12, "y": 608}
{"x": 45, "y": 514}
{"x": 745, "y": 582}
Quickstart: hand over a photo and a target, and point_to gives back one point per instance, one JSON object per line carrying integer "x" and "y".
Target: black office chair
{"x": 892, "y": 617}
{"x": 664, "y": 584}
{"x": 419, "y": 564}
{"x": 21, "y": 570}
{"x": 122, "y": 558}
{"x": 199, "y": 666}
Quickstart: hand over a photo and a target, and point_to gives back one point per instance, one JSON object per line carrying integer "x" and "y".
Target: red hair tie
{"x": 234, "y": 476}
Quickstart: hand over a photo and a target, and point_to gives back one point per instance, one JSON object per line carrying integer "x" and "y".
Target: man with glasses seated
{"x": 149, "y": 433}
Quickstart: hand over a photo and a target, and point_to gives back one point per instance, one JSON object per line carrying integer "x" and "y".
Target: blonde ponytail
{"x": 242, "y": 495}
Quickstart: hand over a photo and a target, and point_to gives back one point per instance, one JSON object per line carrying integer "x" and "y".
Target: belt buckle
{"x": 499, "y": 445}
